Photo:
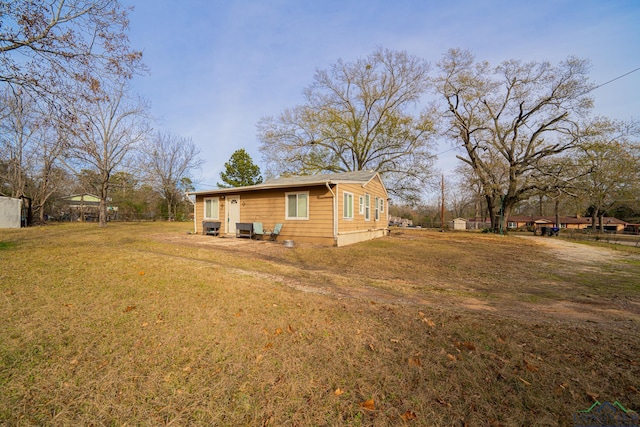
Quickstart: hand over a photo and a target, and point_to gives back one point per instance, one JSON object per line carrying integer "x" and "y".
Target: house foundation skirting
{"x": 349, "y": 238}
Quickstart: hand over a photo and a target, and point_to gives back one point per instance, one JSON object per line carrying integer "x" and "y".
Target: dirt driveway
{"x": 579, "y": 253}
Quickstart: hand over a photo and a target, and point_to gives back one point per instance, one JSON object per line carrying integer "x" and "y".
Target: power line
{"x": 610, "y": 81}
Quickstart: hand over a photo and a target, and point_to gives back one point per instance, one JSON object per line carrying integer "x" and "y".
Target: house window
{"x": 367, "y": 207}
{"x": 297, "y": 205}
{"x": 377, "y": 208}
{"x": 361, "y": 205}
{"x": 381, "y": 205}
{"x": 211, "y": 208}
{"x": 347, "y": 205}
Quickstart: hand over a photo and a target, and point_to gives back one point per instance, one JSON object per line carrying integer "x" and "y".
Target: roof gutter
{"x": 335, "y": 213}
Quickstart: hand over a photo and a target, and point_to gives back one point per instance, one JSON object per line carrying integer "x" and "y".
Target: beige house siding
{"x": 268, "y": 207}
{"x": 325, "y": 224}
{"x": 360, "y": 228}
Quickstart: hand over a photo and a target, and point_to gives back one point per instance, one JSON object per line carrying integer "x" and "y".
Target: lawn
{"x": 145, "y": 324}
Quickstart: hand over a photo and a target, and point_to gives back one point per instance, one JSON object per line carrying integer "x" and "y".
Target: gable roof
{"x": 359, "y": 177}
{"x": 85, "y": 198}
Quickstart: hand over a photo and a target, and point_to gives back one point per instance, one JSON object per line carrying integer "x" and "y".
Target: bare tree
{"x": 49, "y": 175}
{"x": 46, "y": 44}
{"x": 357, "y": 115}
{"x": 609, "y": 154}
{"x": 168, "y": 160}
{"x": 19, "y": 129}
{"x": 106, "y": 129}
{"x": 30, "y": 145}
{"x": 509, "y": 119}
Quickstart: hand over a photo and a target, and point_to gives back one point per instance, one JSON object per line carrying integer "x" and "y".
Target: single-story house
{"x": 333, "y": 209}
{"x": 10, "y": 212}
{"x": 400, "y": 222}
{"x": 84, "y": 207}
{"x": 610, "y": 224}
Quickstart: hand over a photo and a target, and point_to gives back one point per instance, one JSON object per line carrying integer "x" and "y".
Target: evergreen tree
{"x": 240, "y": 171}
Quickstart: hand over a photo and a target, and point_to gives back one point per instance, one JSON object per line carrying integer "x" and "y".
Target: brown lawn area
{"x": 144, "y": 324}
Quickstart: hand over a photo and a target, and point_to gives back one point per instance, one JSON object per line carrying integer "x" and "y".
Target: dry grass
{"x": 142, "y": 324}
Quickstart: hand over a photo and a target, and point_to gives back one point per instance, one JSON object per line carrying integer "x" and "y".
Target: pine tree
{"x": 240, "y": 171}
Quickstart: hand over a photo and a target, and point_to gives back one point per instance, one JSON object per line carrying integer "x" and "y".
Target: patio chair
{"x": 258, "y": 231}
{"x": 275, "y": 232}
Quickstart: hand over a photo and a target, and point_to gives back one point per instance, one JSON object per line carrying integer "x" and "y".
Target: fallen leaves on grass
{"x": 465, "y": 345}
{"x": 368, "y": 404}
{"x": 408, "y": 416}
{"x": 426, "y": 320}
{"x": 530, "y": 367}
{"x": 338, "y": 392}
{"x": 129, "y": 308}
{"x": 415, "y": 361}
{"x": 451, "y": 357}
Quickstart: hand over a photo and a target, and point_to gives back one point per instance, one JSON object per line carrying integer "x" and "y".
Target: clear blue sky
{"x": 217, "y": 67}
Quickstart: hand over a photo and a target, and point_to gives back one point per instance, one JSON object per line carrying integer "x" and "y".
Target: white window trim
{"x": 204, "y": 208}
{"x": 286, "y": 206}
{"x": 347, "y": 195}
{"x": 367, "y": 207}
{"x": 377, "y": 208}
{"x": 361, "y": 205}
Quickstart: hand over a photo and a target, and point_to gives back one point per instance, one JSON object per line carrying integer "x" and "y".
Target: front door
{"x": 232, "y": 213}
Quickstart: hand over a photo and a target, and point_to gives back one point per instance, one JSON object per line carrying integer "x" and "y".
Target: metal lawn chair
{"x": 257, "y": 230}
{"x": 275, "y": 232}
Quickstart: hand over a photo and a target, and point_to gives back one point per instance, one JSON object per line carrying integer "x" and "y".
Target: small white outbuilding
{"x": 459, "y": 224}
{"x": 10, "y": 210}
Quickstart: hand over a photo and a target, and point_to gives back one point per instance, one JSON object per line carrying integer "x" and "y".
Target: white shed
{"x": 459, "y": 224}
{"x": 10, "y": 210}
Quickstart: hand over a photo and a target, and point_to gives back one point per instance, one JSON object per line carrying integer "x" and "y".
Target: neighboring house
{"x": 612, "y": 225}
{"x": 632, "y": 229}
{"x": 400, "y": 222}
{"x": 333, "y": 209}
{"x": 84, "y": 207}
{"x": 10, "y": 212}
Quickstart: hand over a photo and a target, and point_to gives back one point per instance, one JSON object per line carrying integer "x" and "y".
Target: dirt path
{"x": 579, "y": 253}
